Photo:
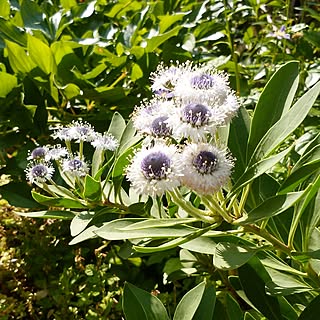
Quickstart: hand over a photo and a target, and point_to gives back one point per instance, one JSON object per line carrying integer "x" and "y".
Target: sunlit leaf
{"x": 189, "y": 303}
{"x": 274, "y": 102}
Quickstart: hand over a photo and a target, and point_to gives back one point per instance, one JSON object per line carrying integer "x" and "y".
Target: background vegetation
{"x": 64, "y": 60}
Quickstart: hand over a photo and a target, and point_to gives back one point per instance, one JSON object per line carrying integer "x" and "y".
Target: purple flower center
{"x": 203, "y": 81}
{"x": 39, "y": 171}
{"x": 75, "y": 165}
{"x": 196, "y": 114}
{"x": 160, "y": 128}
{"x": 82, "y": 130}
{"x": 155, "y": 166}
{"x": 205, "y": 162}
{"x": 38, "y": 153}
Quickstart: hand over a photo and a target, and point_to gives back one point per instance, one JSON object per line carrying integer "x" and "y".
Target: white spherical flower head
{"x": 160, "y": 128}
{"x": 38, "y": 154}
{"x": 151, "y": 118}
{"x": 77, "y": 131}
{"x": 193, "y": 121}
{"x": 155, "y": 170}
{"x": 76, "y": 167}
{"x": 40, "y": 172}
{"x": 164, "y": 81}
{"x": 205, "y": 84}
{"x": 57, "y": 152}
{"x": 228, "y": 109}
{"x": 206, "y": 168}
{"x": 197, "y": 115}
{"x": 105, "y": 141}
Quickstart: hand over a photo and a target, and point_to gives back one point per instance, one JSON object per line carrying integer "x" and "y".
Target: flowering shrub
{"x": 172, "y": 181}
{"x": 203, "y": 187}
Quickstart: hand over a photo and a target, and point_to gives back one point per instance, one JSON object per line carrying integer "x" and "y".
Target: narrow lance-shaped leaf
{"x": 57, "y": 202}
{"x": 207, "y": 304}
{"x": 80, "y": 222}
{"x": 189, "y": 303}
{"x": 257, "y": 170}
{"x": 274, "y": 101}
{"x": 13, "y": 33}
{"x": 271, "y": 207}
{"x": 117, "y": 126}
{"x": 49, "y": 214}
{"x": 238, "y": 139}
{"x": 286, "y": 125}
{"x": 138, "y": 304}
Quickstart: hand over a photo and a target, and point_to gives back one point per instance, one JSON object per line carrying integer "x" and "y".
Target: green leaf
{"x": 173, "y": 243}
{"x": 274, "y": 102}
{"x": 272, "y": 262}
{"x": 203, "y": 245}
{"x": 117, "y": 126}
{"x": 71, "y": 91}
{"x": 189, "y": 303}
{"x": 233, "y": 309}
{"x": 253, "y": 285}
{"x": 154, "y": 42}
{"x": 312, "y": 311}
{"x": 87, "y": 234}
{"x": 20, "y": 62}
{"x": 229, "y": 256}
{"x": 138, "y": 304}
{"x": 13, "y": 33}
{"x": 152, "y": 223}
{"x": 80, "y": 222}
{"x": 33, "y": 16}
{"x": 285, "y": 284}
{"x": 21, "y": 199}
{"x": 92, "y": 189}
{"x": 310, "y": 193}
{"x": 271, "y": 207}
{"x": 4, "y": 9}
{"x": 298, "y": 176}
{"x": 238, "y": 140}
{"x": 207, "y": 304}
{"x": 41, "y": 55}
{"x": 257, "y": 169}
{"x": 286, "y": 125}
{"x": 136, "y": 72}
{"x": 128, "y": 137}
{"x": 49, "y": 214}
{"x": 57, "y": 202}
{"x": 114, "y": 230}
{"x": 168, "y": 20}
{"x": 8, "y": 82}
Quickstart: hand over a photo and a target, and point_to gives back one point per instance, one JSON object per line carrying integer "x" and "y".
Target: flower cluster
{"x": 42, "y": 159}
{"x": 180, "y": 122}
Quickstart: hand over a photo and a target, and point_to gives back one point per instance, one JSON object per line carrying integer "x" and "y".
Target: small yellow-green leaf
{"x": 8, "y": 82}
{"x": 41, "y": 55}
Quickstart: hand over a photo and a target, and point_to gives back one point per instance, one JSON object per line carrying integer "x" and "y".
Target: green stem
{"x": 244, "y": 197}
{"x": 195, "y": 212}
{"x": 269, "y": 237}
{"x": 212, "y": 204}
{"x": 81, "y": 149}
